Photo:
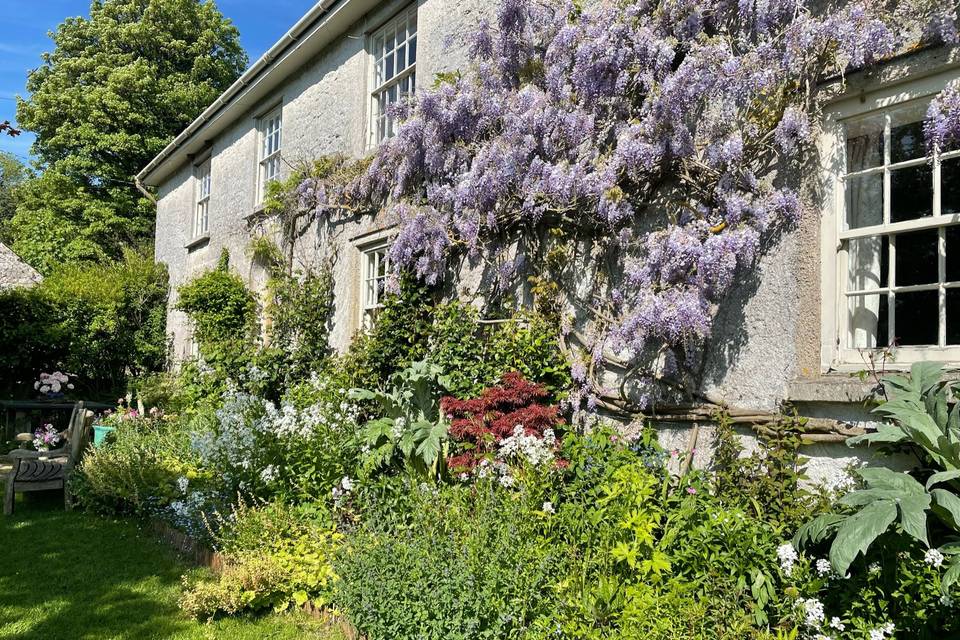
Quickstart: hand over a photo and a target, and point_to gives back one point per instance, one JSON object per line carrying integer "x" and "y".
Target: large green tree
{"x": 115, "y": 90}
{"x": 12, "y": 174}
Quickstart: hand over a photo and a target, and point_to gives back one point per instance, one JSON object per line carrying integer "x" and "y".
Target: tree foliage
{"x": 117, "y": 87}
{"x": 104, "y": 323}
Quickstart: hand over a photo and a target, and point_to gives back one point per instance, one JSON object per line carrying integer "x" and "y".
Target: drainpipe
{"x": 142, "y": 189}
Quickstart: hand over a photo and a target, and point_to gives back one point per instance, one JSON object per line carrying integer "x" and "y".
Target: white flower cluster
{"x": 497, "y": 469}
{"x": 342, "y": 489}
{"x": 838, "y": 484}
{"x": 535, "y": 450}
{"x": 933, "y": 557}
{"x": 52, "y": 383}
{"x": 812, "y": 611}
{"x": 787, "y": 556}
{"x": 822, "y": 567}
{"x": 882, "y": 631}
{"x": 836, "y": 623}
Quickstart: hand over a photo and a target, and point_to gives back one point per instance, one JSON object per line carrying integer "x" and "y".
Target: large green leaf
{"x": 884, "y": 478}
{"x": 818, "y": 529}
{"x": 858, "y": 532}
{"x": 885, "y": 433}
{"x": 947, "y": 507}
{"x": 942, "y": 476}
{"x": 950, "y": 575}
{"x": 913, "y": 515}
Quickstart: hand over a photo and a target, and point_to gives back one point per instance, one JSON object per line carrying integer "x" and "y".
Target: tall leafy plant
{"x": 410, "y": 426}
{"x": 922, "y": 414}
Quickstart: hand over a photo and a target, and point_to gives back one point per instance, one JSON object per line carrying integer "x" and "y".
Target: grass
{"x": 66, "y": 576}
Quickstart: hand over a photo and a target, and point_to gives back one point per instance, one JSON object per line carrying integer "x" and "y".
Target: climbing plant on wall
{"x": 660, "y": 136}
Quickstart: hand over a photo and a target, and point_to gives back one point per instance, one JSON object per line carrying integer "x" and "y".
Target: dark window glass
{"x": 950, "y": 186}
{"x": 911, "y": 193}
{"x": 917, "y": 318}
{"x": 953, "y": 316}
{"x": 917, "y": 258}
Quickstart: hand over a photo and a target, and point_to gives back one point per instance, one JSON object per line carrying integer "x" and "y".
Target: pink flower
{"x": 691, "y": 490}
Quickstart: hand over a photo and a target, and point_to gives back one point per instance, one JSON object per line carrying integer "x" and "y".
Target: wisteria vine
{"x": 665, "y": 131}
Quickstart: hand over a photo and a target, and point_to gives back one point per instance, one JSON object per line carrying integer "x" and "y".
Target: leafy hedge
{"x": 104, "y": 323}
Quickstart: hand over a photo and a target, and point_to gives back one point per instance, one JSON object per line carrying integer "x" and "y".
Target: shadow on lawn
{"x": 75, "y": 575}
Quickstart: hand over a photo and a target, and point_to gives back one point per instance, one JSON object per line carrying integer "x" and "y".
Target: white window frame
{"x": 372, "y": 256}
{"x": 202, "y": 190}
{"x": 269, "y": 148}
{"x": 836, "y": 352}
{"x": 381, "y": 125}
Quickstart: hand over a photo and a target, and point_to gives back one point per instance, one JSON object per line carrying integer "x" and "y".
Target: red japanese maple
{"x": 483, "y": 422}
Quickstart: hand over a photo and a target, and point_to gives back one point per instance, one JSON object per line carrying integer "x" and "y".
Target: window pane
{"x": 953, "y": 316}
{"x": 906, "y": 132}
{"x": 868, "y": 263}
{"x": 917, "y": 257}
{"x": 950, "y": 186}
{"x": 865, "y": 143}
{"x": 401, "y": 64}
{"x": 867, "y": 321}
{"x": 906, "y": 142}
{"x": 953, "y": 253}
{"x": 412, "y": 22}
{"x": 911, "y": 193}
{"x": 413, "y": 50}
{"x": 917, "y": 318}
{"x": 389, "y": 42}
{"x": 389, "y": 73}
{"x": 864, "y": 196}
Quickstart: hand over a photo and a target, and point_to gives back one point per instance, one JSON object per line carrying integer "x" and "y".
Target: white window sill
{"x": 198, "y": 242}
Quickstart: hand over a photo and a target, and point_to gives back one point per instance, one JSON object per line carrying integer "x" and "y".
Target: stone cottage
{"x": 14, "y": 272}
{"x": 875, "y": 265}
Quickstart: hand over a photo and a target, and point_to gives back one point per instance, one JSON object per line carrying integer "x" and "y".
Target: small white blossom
{"x": 182, "y": 484}
{"x": 835, "y": 623}
{"x": 874, "y": 567}
{"x": 882, "y": 631}
{"x": 535, "y": 450}
{"x": 507, "y": 480}
{"x": 347, "y": 484}
{"x": 933, "y": 557}
{"x": 548, "y": 507}
{"x": 787, "y": 556}
{"x": 813, "y": 612}
{"x": 269, "y": 474}
{"x": 823, "y": 567}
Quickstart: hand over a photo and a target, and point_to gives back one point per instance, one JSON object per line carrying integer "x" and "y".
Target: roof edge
{"x": 263, "y": 67}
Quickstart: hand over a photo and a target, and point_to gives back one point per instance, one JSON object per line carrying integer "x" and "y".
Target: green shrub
{"x": 470, "y": 565}
{"x": 224, "y": 314}
{"x": 102, "y": 323}
{"x": 275, "y": 556}
{"x": 474, "y": 355}
{"x": 139, "y": 468}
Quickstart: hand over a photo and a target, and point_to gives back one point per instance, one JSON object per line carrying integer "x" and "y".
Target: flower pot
{"x": 100, "y": 433}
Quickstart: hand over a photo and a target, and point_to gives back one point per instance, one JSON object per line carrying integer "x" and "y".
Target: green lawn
{"x": 76, "y": 575}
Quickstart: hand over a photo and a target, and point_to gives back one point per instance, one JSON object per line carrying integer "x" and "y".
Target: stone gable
{"x": 14, "y": 272}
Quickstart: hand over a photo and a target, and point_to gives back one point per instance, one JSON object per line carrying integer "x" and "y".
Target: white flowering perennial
{"x": 548, "y": 507}
{"x": 837, "y": 624}
{"x": 812, "y": 612}
{"x": 787, "y": 556}
{"x": 823, "y": 567}
{"x": 881, "y": 632}
{"x": 535, "y": 450}
{"x": 933, "y": 557}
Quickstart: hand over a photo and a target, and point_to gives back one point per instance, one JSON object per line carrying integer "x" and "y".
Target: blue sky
{"x": 23, "y": 38}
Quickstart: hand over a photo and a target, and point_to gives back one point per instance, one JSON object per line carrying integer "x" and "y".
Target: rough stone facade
{"x": 768, "y": 345}
{"x": 14, "y": 272}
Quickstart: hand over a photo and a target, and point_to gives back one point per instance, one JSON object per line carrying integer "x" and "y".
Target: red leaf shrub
{"x": 481, "y": 423}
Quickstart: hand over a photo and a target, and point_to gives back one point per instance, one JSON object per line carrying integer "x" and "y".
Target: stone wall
{"x": 767, "y": 345}
{"x": 14, "y": 272}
